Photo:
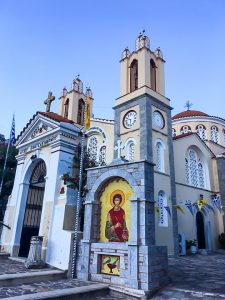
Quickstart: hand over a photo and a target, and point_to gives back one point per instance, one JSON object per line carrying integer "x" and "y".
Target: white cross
{"x": 118, "y": 148}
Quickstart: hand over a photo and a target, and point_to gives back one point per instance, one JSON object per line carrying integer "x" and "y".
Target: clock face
{"x": 130, "y": 119}
{"x": 158, "y": 119}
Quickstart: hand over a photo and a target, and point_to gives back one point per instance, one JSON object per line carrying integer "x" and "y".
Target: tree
{"x": 8, "y": 176}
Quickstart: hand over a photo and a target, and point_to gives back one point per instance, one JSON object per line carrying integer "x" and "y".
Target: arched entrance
{"x": 32, "y": 215}
{"x": 200, "y": 230}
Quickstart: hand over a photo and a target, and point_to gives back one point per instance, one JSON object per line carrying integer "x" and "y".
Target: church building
{"x": 160, "y": 180}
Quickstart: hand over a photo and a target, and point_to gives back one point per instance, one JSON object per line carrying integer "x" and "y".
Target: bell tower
{"x": 143, "y": 129}
{"x": 142, "y": 68}
{"x": 72, "y": 103}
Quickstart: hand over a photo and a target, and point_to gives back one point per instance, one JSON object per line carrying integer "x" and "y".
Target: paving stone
{"x": 192, "y": 277}
{"x": 43, "y": 286}
{"x": 16, "y": 267}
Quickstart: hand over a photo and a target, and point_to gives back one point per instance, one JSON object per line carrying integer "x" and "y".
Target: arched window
{"x": 80, "y": 113}
{"x": 102, "y": 156}
{"x": 187, "y": 170}
{"x": 201, "y": 131}
{"x": 173, "y": 132}
{"x": 214, "y": 134}
{"x": 185, "y": 129}
{"x": 201, "y": 178}
{"x": 134, "y": 75}
{"x": 194, "y": 169}
{"x": 93, "y": 149}
{"x": 153, "y": 74}
{"x": 162, "y": 205}
{"x": 160, "y": 156}
{"x": 66, "y": 108}
{"x": 130, "y": 149}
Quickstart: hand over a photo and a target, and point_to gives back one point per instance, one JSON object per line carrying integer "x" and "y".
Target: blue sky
{"x": 45, "y": 43}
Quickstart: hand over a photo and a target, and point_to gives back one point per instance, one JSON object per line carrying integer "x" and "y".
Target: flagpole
{"x": 76, "y": 227}
{"x": 6, "y": 158}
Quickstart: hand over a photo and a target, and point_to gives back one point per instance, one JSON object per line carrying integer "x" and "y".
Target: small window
{"x": 66, "y": 108}
{"x": 80, "y": 114}
{"x": 173, "y": 132}
{"x": 102, "y": 156}
{"x": 153, "y": 74}
{"x": 162, "y": 205}
{"x": 160, "y": 156}
{"x": 134, "y": 75}
{"x": 214, "y": 134}
{"x": 130, "y": 149}
{"x": 185, "y": 129}
{"x": 93, "y": 149}
{"x": 201, "y": 131}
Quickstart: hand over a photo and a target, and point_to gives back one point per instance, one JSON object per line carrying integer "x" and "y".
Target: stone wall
{"x": 142, "y": 264}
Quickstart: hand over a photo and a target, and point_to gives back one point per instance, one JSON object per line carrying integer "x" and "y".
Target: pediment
{"x": 35, "y": 129}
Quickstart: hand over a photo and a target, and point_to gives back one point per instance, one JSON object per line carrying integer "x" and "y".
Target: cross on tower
{"x": 188, "y": 105}
{"x": 142, "y": 31}
{"x": 118, "y": 148}
{"x": 48, "y": 101}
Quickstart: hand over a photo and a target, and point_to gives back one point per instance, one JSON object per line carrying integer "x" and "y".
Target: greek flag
{"x": 12, "y": 133}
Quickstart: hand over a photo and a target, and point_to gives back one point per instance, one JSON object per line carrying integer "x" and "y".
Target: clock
{"x": 158, "y": 119}
{"x": 130, "y": 119}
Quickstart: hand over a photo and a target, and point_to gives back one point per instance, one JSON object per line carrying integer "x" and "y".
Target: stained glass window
{"x": 201, "y": 175}
{"x": 201, "y": 132}
{"x": 194, "y": 170}
{"x": 214, "y": 134}
{"x": 102, "y": 156}
{"x": 93, "y": 148}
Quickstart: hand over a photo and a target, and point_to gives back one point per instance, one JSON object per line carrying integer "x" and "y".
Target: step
{"x": 4, "y": 254}
{"x": 127, "y": 293}
{"x": 83, "y": 292}
{"x": 29, "y": 277}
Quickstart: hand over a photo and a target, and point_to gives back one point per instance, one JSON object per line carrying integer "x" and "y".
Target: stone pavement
{"x": 8, "y": 266}
{"x": 195, "y": 277}
{"x": 192, "y": 277}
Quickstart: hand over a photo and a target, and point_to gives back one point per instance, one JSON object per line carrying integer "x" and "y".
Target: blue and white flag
{"x": 12, "y": 138}
{"x": 189, "y": 206}
{"x": 216, "y": 201}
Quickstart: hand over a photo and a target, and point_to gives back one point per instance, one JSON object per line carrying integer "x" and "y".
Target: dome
{"x": 190, "y": 113}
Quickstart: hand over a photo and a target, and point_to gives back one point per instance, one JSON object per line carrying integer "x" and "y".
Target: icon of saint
{"x": 116, "y": 230}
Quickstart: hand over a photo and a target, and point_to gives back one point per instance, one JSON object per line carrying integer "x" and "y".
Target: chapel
{"x": 158, "y": 180}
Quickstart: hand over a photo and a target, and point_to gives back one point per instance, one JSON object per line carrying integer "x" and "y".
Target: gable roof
{"x": 193, "y": 134}
{"x": 49, "y": 115}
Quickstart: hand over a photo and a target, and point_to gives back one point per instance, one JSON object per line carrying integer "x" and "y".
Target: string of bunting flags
{"x": 196, "y": 206}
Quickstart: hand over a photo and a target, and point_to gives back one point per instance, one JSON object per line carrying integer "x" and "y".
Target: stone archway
{"x": 200, "y": 230}
{"x": 33, "y": 210}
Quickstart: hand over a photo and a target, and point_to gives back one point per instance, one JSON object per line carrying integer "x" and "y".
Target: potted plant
{"x": 191, "y": 244}
{"x": 193, "y": 247}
